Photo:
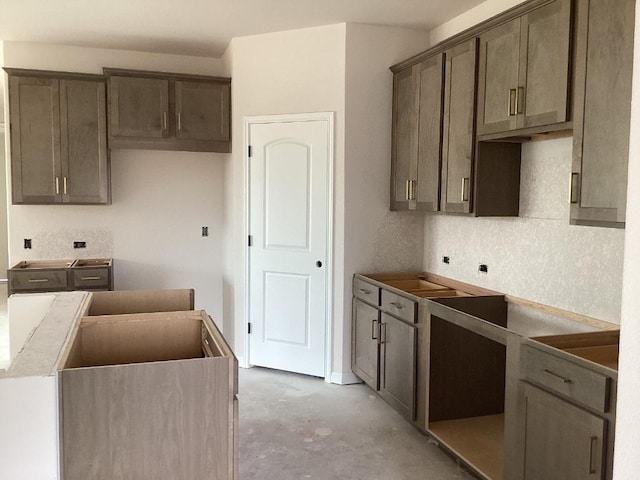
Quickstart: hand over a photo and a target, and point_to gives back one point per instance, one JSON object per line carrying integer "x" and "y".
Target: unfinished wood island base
{"x": 146, "y": 389}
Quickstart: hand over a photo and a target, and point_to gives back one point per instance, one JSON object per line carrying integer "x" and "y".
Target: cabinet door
{"x": 398, "y": 365}
{"x": 562, "y": 441}
{"x": 364, "y": 361}
{"x": 604, "y": 61}
{"x": 35, "y": 139}
{"x": 138, "y": 107}
{"x": 427, "y": 188}
{"x": 83, "y": 117}
{"x": 543, "y": 86}
{"x": 202, "y": 111}
{"x": 498, "y": 78}
{"x": 405, "y": 135}
{"x": 459, "y": 127}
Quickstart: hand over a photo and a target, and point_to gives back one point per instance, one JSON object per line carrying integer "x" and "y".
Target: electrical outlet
{"x": 446, "y": 260}
{"x": 27, "y": 243}
{"x": 483, "y": 268}
{"x": 79, "y": 244}
{"x": 205, "y": 231}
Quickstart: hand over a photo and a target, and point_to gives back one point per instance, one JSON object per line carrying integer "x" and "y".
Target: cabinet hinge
{"x": 250, "y": 152}
{"x": 249, "y": 328}
{"x": 250, "y": 241}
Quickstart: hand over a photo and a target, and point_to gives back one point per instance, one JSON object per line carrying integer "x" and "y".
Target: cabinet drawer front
{"x": 91, "y": 277}
{"x": 399, "y": 306}
{"x": 366, "y": 291}
{"x": 47, "y": 280}
{"x": 566, "y": 378}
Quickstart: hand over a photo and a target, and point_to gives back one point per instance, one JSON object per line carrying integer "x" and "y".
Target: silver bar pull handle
{"x": 574, "y": 187}
{"x": 513, "y": 94}
{"x": 90, "y": 278}
{"x": 374, "y": 329}
{"x": 397, "y": 305}
{"x": 413, "y": 189}
{"x": 407, "y": 190}
{"x": 38, "y": 280}
{"x": 520, "y": 101}
{"x": 365, "y": 291}
{"x": 179, "y": 121}
{"x": 557, "y": 376}
{"x": 593, "y": 468}
{"x": 57, "y": 185}
{"x": 64, "y": 185}
{"x": 464, "y": 190}
{"x": 164, "y": 121}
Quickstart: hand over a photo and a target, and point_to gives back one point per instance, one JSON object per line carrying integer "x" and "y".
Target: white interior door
{"x": 288, "y": 224}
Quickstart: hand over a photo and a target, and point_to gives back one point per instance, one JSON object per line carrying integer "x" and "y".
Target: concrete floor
{"x": 297, "y": 427}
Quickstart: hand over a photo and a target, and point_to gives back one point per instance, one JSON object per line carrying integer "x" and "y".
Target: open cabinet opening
{"x": 139, "y": 338}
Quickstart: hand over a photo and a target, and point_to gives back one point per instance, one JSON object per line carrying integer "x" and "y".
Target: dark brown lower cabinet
{"x": 562, "y": 441}
{"x": 365, "y": 343}
{"x": 398, "y": 364}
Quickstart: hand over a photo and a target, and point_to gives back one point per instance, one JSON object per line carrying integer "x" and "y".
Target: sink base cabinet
{"x": 562, "y": 441}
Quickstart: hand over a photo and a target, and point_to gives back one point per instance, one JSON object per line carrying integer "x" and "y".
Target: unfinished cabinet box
{"x": 163, "y": 111}
{"x": 524, "y": 70}
{"x": 58, "y": 138}
{"x": 147, "y": 395}
{"x": 604, "y": 61}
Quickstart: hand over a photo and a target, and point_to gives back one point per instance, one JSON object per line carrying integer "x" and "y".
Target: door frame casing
{"x": 292, "y": 118}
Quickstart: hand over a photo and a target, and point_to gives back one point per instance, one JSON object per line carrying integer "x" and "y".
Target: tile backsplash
{"x": 58, "y": 244}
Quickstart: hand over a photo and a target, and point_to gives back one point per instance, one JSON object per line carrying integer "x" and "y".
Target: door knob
{"x": 318, "y": 264}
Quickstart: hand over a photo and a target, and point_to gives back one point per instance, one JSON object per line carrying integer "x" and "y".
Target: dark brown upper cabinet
{"x": 58, "y": 138}
{"x": 524, "y": 75}
{"x": 153, "y": 110}
{"x": 604, "y": 63}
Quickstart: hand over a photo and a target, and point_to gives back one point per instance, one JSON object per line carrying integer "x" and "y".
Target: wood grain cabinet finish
{"x": 459, "y": 128}
{"x": 384, "y": 344}
{"x": 524, "y": 74}
{"x": 398, "y": 341}
{"x": 604, "y": 61}
{"x": 58, "y": 138}
{"x": 562, "y": 441}
{"x": 148, "y": 396}
{"x": 154, "y": 110}
{"x": 365, "y": 343}
{"x": 568, "y": 411}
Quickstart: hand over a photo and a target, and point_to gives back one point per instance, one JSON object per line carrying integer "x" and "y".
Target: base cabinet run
{"x": 384, "y": 346}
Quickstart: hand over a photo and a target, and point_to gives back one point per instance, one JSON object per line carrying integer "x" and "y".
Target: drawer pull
{"x": 90, "y": 278}
{"x": 558, "y": 377}
{"x": 397, "y": 305}
{"x": 383, "y": 338}
{"x": 365, "y": 291}
{"x": 592, "y": 455}
{"x": 38, "y": 280}
{"x": 373, "y": 329}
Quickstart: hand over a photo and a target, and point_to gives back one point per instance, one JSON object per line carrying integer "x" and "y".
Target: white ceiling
{"x": 201, "y": 27}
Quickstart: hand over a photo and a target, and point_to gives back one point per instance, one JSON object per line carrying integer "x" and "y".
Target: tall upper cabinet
{"x": 58, "y": 138}
{"x": 525, "y": 70}
{"x": 604, "y": 63}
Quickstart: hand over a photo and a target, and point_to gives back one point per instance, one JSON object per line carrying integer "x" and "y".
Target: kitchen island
{"x": 106, "y": 382}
